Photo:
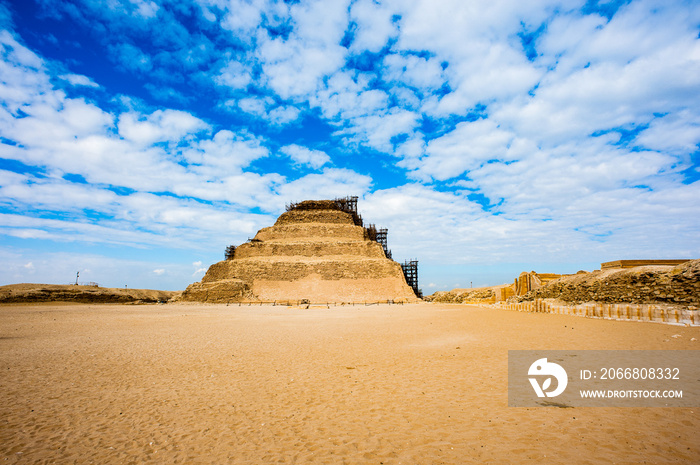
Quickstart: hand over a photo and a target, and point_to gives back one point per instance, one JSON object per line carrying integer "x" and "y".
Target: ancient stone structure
{"x": 528, "y": 281}
{"x": 316, "y": 251}
{"x": 503, "y": 293}
{"x": 678, "y": 284}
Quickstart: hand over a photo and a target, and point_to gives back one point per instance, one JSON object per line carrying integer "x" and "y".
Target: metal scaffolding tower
{"x": 410, "y": 272}
{"x": 380, "y": 236}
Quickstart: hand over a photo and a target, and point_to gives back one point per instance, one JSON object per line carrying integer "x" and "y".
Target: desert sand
{"x": 204, "y": 383}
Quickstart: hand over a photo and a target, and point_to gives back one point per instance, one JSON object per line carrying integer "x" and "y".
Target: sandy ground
{"x": 424, "y": 383}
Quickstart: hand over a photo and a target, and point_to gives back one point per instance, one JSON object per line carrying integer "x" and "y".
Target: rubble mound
{"x": 40, "y": 293}
{"x": 479, "y": 295}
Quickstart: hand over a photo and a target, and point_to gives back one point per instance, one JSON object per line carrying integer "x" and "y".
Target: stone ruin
{"x": 528, "y": 281}
{"x": 317, "y": 251}
{"x": 671, "y": 282}
{"x": 632, "y": 281}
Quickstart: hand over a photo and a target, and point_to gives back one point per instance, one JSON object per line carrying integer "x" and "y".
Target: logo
{"x": 542, "y": 368}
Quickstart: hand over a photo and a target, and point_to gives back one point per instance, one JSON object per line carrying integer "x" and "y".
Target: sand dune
{"x": 423, "y": 383}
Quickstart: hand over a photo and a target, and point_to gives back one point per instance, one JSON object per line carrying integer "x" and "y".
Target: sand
{"x": 422, "y": 383}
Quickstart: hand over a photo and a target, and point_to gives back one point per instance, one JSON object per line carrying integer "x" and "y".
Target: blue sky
{"x": 139, "y": 138}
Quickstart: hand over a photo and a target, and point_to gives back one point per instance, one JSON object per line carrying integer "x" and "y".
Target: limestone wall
{"x": 314, "y": 216}
{"x": 292, "y": 268}
{"x": 312, "y": 232}
{"x": 318, "y": 248}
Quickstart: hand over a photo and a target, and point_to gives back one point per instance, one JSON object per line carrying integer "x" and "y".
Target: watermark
{"x": 547, "y": 370}
{"x": 603, "y": 378}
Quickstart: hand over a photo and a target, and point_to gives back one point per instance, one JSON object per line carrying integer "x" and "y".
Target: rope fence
{"x": 624, "y": 312}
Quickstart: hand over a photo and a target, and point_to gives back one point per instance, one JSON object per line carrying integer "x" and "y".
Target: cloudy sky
{"x": 139, "y": 138}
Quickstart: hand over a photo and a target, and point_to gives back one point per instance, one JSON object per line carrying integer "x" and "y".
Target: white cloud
{"x": 199, "y": 269}
{"x": 475, "y": 39}
{"x": 294, "y": 69}
{"x": 346, "y": 96}
{"x": 548, "y": 183}
{"x": 17, "y": 54}
{"x": 79, "y": 138}
{"x": 374, "y": 26}
{"x": 54, "y": 193}
{"x": 256, "y": 106}
{"x": 610, "y": 75}
{"x": 264, "y": 108}
{"x": 283, "y": 115}
{"x": 145, "y": 9}
{"x": 304, "y": 156}
{"x": 294, "y": 66}
{"x": 678, "y": 133}
{"x": 467, "y": 147}
{"x": 411, "y": 70}
{"x": 377, "y": 131}
{"x": 235, "y": 75}
{"x": 224, "y": 154}
{"x": 159, "y": 126}
{"x": 243, "y": 17}
{"x": 159, "y": 271}
{"x": 79, "y": 80}
{"x": 329, "y": 184}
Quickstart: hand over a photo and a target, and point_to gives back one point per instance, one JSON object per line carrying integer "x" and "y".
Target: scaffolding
{"x": 345, "y": 204}
{"x": 380, "y": 236}
{"x": 410, "y": 272}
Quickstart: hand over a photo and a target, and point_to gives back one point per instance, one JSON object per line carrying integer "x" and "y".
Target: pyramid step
{"x": 312, "y": 232}
{"x": 361, "y": 249}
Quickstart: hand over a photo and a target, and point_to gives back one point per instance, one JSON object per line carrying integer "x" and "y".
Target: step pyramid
{"x": 316, "y": 251}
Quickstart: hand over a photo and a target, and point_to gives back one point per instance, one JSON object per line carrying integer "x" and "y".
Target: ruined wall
{"x": 528, "y": 281}
{"x": 679, "y": 284}
{"x": 504, "y": 293}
